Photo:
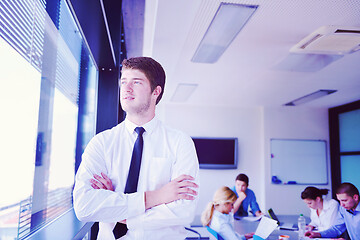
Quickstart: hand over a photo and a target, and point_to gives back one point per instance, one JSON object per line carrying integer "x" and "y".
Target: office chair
{"x": 195, "y": 238}
{"x": 214, "y": 233}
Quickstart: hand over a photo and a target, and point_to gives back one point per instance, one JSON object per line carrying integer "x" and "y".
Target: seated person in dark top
{"x": 246, "y": 198}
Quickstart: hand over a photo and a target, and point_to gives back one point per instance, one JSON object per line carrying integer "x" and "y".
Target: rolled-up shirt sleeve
{"x": 180, "y": 212}
{"x": 253, "y": 204}
{"x": 337, "y": 229}
{"x": 99, "y": 204}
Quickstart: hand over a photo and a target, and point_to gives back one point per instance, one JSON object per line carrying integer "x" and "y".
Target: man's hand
{"x": 259, "y": 213}
{"x": 238, "y": 201}
{"x": 310, "y": 227}
{"x": 179, "y": 188}
{"x": 242, "y": 196}
{"x": 311, "y": 234}
{"x": 103, "y": 182}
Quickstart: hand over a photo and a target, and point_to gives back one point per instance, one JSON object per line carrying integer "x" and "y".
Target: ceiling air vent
{"x": 330, "y": 40}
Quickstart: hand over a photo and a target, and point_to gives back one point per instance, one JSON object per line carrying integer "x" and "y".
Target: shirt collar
{"x": 149, "y": 126}
{"x": 353, "y": 212}
{"x": 222, "y": 215}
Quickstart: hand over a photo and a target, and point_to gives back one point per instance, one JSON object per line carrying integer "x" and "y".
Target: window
{"x": 48, "y": 102}
{"x": 19, "y": 104}
{"x": 345, "y": 143}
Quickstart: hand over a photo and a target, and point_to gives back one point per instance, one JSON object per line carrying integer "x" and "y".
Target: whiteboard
{"x": 298, "y": 161}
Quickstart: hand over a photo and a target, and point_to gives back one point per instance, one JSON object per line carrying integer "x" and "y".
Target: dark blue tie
{"x": 133, "y": 177}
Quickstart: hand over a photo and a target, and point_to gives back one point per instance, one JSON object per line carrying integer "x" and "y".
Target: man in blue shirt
{"x": 246, "y": 198}
{"x": 348, "y": 217}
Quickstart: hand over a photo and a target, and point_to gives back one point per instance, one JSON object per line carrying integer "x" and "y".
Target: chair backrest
{"x": 214, "y": 233}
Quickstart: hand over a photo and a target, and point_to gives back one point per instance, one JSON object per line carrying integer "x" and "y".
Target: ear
{"x": 157, "y": 91}
{"x": 356, "y": 197}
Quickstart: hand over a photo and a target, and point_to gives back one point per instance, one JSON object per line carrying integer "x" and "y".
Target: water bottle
{"x": 301, "y": 225}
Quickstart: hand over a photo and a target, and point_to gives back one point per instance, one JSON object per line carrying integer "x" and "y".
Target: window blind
{"x": 23, "y": 24}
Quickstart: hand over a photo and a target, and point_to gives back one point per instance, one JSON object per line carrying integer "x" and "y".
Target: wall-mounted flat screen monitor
{"x": 217, "y": 153}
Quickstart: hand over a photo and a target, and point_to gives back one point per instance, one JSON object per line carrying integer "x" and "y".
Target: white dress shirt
{"x": 167, "y": 154}
{"x": 223, "y": 224}
{"x": 327, "y": 216}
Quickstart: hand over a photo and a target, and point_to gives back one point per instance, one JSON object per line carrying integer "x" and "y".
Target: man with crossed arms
{"x": 165, "y": 199}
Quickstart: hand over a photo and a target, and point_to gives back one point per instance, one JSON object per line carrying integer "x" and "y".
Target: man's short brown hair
{"x": 243, "y": 177}
{"x": 152, "y": 70}
{"x": 347, "y": 188}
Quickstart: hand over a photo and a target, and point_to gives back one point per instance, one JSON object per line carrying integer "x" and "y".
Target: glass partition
{"x": 350, "y": 166}
{"x": 349, "y": 131}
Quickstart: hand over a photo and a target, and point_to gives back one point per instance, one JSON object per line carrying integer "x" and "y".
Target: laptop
{"x": 283, "y": 225}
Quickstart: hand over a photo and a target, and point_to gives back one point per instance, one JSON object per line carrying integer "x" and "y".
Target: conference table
{"x": 243, "y": 226}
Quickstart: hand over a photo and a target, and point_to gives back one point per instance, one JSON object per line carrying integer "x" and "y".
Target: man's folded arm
{"x": 104, "y": 205}
{"x": 99, "y": 204}
{"x": 179, "y": 212}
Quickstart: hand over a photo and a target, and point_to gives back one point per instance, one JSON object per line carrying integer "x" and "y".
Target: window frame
{"x": 334, "y": 132}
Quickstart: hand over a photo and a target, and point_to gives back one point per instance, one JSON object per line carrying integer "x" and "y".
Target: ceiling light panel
{"x": 224, "y": 27}
{"x": 183, "y": 92}
{"x": 310, "y": 97}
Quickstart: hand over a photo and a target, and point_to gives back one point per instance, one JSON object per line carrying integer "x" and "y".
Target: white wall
{"x": 245, "y": 124}
{"x": 254, "y": 127}
{"x": 292, "y": 123}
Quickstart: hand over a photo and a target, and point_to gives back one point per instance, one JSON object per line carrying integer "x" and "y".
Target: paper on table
{"x": 266, "y": 227}
{"x": 252, "y": 218}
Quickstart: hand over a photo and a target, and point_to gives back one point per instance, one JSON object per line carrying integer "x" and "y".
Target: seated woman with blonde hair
{"x": 217, "y": 217}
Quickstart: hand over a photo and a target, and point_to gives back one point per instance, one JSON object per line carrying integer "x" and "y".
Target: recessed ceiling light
{"x": 226, "y": 24}
{"x": 310, "y": 97}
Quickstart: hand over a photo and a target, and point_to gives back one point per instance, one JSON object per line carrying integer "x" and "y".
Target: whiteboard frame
{"x": 318, "y": 153}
